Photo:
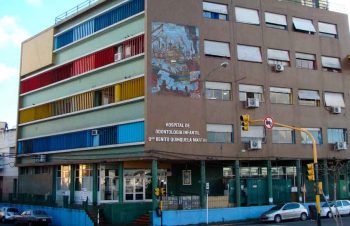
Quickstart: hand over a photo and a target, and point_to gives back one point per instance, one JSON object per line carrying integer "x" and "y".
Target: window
{"x": 250, "y": 91}
{"x": 83, "y": 177}
{"x": 254, "y": 132}
{"x": 334, "y": 99}
{"x": 327, "y": 30}
{"x": 215, "y": 11}
{"x": 275, "y": 56}
{"x": 280, "y": 95}
{"x": 337, "y": 135}
{"x": 218, "y": 133}
{"x": 309, "y": 98}
{"x": 281, "y": 135}
{"x": 247, "y": 16}
{"x": 303, "y": 25}
{"x": 63, "y": 178}
{"x": 220, "y": 49}
{"x": 331, "y": 64}
{"x": 316, "y": 133}
{"x": 218, "y": 90}
{"x": 277, "y": 21}
{"x": 249, "y": 53}
{"x": 306, "y": 61}
{"x": 109, "y": 182}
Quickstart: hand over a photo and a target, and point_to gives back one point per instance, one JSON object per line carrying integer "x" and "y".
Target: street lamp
{"x": 222, "y": 65}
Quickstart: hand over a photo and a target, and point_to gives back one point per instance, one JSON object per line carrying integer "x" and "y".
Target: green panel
{"x": 125, "y": 213}
{"x": 343, "y": 190}
{"x": 214, "y": 175}
{"x": 104, "y": 76}
{"x": 94, "y": 154}
{"x": 175, "y": 186}
{"x": 101, "y": 40}
{"x": 99, "y": 117}
{"x": 257, "y": 192}
{"x": 281, "y": 190}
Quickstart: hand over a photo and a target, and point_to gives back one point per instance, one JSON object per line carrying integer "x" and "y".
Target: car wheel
{"x": 329, "y": 214}
{"x": 303, "y": 217}
{"x": 278, "y": 218}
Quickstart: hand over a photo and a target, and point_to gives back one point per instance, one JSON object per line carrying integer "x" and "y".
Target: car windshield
{"x": 276, "y": 207}
{"x": 39, "y": 212}
{"x": 13, "y": 210}
{"x": 326, "y": 204}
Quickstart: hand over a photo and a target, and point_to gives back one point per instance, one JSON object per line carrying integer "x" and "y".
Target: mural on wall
{"x": 175, "y": 60}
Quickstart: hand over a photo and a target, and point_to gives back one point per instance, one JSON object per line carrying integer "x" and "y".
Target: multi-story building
{"x": 125, "y": 95}
{"x": 8, "y": 171}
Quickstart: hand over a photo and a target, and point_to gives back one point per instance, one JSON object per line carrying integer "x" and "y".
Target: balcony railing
{"x": 74, "y": 10}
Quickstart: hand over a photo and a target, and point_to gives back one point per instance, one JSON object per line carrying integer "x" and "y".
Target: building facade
{"x": 8, "y": 171}
{"x": 126, "y": 95}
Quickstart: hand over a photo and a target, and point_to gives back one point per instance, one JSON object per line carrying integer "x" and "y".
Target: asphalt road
{"x": 324, "y": 222}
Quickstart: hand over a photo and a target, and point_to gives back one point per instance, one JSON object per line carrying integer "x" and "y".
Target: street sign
{"x": 268, "y": 122}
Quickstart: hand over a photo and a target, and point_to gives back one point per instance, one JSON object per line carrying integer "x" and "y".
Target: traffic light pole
{"x": 314, "y": 154}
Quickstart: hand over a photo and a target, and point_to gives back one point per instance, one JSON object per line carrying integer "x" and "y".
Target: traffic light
{"x": 245, "y": 122}
{"x": 162, "y": 191}
{"x": 310, "y": 172}
{"x": 156, "y": 192}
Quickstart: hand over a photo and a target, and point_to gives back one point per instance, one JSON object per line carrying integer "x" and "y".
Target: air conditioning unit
{"x": 279, "y": 67}
{"x": 253, "y": 103}
{"x": 255, "y": 144}
{"x": 94, "y": 132}
{"x": 42, "y": 158}
{"x": 117, "y": 57}
{"x": 336, "y": 110}
{"x": 340, "y": 146}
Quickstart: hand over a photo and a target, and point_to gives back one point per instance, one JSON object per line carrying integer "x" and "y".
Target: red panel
{"x": 82, "y": 65}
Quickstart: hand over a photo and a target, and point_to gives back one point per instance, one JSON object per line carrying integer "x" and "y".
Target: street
{"x": 324, "y": 222}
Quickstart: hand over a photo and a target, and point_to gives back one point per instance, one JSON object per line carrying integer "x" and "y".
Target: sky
{"x": 21, "y": 19}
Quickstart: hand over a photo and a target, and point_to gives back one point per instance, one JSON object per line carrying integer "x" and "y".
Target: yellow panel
{"x": 133, "y": 88}
{"x": 43, "y": 111}
{"x": 118, "y": 93}
{"x": 27, "y": 115}
{"x": 37, "y": 52}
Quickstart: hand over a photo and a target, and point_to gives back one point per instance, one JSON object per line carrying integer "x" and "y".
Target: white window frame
{"x": 256, "y": 90}
{"x": 247, "y": 16}
{"x": 284, "y": 129}
{"x": 327, "y": 29}
{"x": 216, "y": 48}
{"x": 249, "y": 53}
{"x": 254, "y": 132}
{"x": 274, "y": 20}
{"x": 330, "y": 63}
{"x": 221, "y": 9}
{"x": 218, "y": 86}
{"x": 303, "y": 25}
{"x": 332, "y": 99}
{"x": 287, "y": 91}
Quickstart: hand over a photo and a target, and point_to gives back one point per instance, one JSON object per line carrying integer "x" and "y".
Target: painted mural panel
{"x": 175, "y": 60}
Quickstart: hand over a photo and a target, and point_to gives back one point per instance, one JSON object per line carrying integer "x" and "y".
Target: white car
{"x": 343, "y": 207}
{"x": 292, "y": 210}
{"x": 8, "y": 214}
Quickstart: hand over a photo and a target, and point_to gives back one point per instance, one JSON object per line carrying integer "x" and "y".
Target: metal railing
{"x": 74, "y": 10}
{"x": 188, "y": 202}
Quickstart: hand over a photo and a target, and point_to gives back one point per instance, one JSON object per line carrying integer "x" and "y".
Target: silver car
{"x": 343, "y": 208}
{"x": 8, "y": 214}
{"x": 291, "y": 210}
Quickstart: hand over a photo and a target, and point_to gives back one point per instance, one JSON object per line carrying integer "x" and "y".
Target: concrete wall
{"x": 199, "y": 112}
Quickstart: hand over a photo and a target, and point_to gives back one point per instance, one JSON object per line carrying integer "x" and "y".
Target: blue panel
{"x": 108, "y": 135}
{"x": 129, "y": 133}
{"x": 126, "y": 133}
{"x": 100, "y": 22}
{"x": 60, "y": 216}
{"x": 83, "y": 30}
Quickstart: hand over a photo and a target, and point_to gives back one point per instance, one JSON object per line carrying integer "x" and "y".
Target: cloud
{"x": 7, "y": 72}
{"x": 10, "y": 32}
{"x": 35, "y": 3}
